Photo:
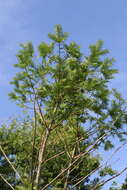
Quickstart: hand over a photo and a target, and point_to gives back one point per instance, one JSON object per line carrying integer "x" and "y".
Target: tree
{"x": 72, "y": 112}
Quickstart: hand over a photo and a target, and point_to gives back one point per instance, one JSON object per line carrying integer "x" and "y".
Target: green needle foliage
{"x": 72, "y": 112}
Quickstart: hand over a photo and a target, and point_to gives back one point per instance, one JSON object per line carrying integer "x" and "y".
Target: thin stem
{"x": 68, "y": 172}
{"x": 111, "y": 178}
{"x": 77, "y": 158}
{"x": 10, "y": 162}
{"x": 6, "y": 182}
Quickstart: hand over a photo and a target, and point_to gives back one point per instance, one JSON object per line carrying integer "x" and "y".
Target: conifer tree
{"x": 72, "y": 112}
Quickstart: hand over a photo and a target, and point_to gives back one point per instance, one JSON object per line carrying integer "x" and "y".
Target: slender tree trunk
{"x": 40, "y": 156}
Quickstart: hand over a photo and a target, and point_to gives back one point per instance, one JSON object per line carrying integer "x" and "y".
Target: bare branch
{"x": 77, "y": 158}
{"x": 10, "y": 162}
{"x": 111, "y": 178}
{"x": 6, "y": 182}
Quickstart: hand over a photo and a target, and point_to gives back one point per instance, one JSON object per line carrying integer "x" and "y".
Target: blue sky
{"x": 85, "y": 20}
